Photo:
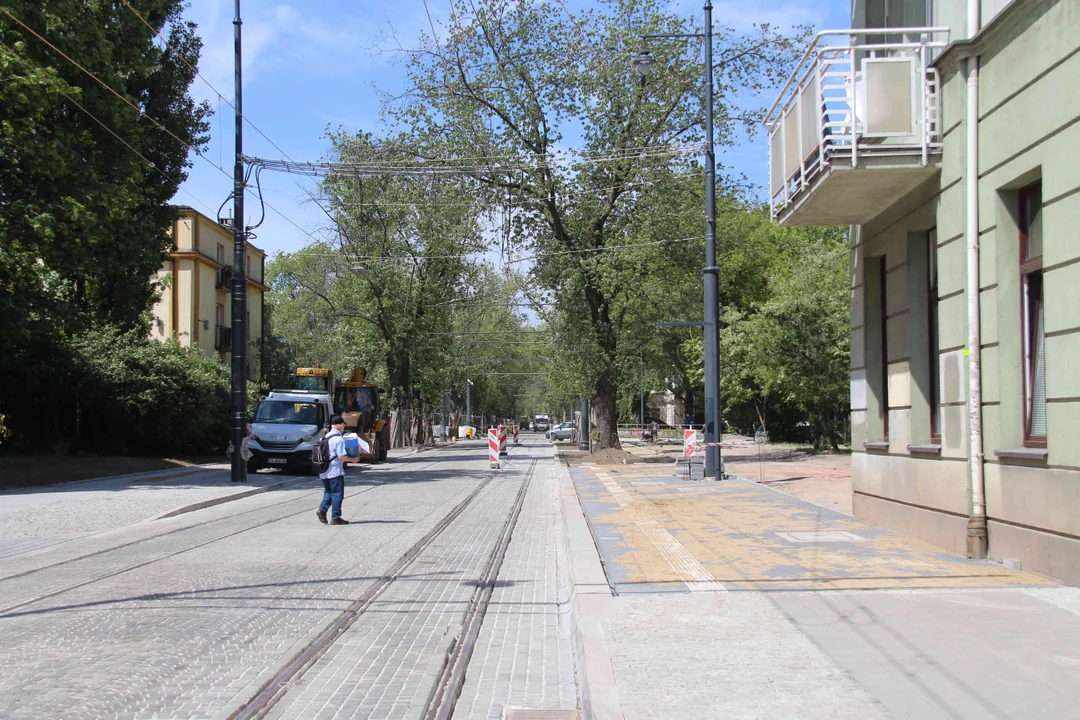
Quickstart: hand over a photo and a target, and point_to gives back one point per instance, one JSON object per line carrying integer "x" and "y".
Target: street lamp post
{"x": 468, "y": 402}
{"x": 239, "y": 282}
{"x": 643, "y": 65}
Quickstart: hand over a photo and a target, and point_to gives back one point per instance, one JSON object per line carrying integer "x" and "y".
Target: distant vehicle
{"x": 286, "y": 427}
{"x": 541, "y": 423}
{"x": 562, "y": 431}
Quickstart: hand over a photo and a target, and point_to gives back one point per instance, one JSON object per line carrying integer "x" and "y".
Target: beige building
{"x": 947, "y": 135}
{"x": 195, "y": 306}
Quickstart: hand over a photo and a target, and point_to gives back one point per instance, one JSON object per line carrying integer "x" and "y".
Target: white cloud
{"x": 277, "y": 35}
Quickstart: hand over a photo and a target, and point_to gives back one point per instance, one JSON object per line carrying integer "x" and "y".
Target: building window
{"x": 220, "y": 315}
{"x": 247, "y": 265}
{"x": 1031, "y": 284}
{"x": 220, "y": 257}
{"x": 932, "y": 326}
{"x": 884, "y": 354}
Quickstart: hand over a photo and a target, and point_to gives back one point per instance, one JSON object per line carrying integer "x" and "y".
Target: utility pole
{"x": 641, "y": 362}
{"x": 239, "y": 286}
{"x": 583, "y": 445}
{"x": 713, "y": 422}
{"x": 468, "y": 401}
{"x": 644, "y": 65}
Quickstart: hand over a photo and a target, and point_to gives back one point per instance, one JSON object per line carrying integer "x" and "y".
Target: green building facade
{"x": 881, "y": 142}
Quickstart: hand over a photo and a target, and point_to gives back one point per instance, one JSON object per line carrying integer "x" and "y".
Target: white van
{"x": 541, "y": 423}
{"x": 287, "y": 425}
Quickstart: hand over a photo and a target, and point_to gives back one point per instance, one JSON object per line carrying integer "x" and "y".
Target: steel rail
{"x": 452, "y": 678}
{"x": 277, "y": 686}
{"x": 105, "y": 576}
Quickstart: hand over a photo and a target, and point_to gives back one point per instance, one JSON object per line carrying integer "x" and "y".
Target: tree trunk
{"x": 606, "y": 430}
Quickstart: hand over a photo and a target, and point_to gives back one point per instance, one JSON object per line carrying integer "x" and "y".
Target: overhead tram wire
{"x": 143, "y": 114}
{"x": 105, "y": 127}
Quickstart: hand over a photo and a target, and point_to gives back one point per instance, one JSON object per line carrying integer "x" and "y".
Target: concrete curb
{"x": 183, "y": 509}
{"x": 590, "y": 601}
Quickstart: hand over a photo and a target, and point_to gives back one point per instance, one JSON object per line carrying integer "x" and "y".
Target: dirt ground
{"x": 20, "y": 471}
{"x": 824, "y": 479}
{"x": 821, "y": 479}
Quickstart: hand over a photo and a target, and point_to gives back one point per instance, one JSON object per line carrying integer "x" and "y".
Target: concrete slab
{"x": 951, "y": 654}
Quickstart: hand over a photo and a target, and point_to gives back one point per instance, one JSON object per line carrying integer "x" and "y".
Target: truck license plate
{"x": 277, "y": 461}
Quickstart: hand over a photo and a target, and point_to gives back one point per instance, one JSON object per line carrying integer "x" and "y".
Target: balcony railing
{"x": 222, "y": 338}
{"x": 863, "y": 98}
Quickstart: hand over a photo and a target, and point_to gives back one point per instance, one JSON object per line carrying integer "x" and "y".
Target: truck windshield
{"x": 350, "y": 399}
{"x": 316, "y": 383}
{"x": 289, "y": 412}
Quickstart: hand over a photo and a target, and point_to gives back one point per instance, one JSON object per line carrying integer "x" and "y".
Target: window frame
{"x": 1030, "y": 269}
{"x": 934, "y": 398}
{"x": 884, "y": 300}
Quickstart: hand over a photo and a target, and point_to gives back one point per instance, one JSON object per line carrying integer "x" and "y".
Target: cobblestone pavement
{"x": 32, "y": 518}
{"x": 524, "y": 657}
{"x": 190, "y": 616}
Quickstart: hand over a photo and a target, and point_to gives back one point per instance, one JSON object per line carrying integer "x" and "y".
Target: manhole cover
{"x": 816, "y": 536}
{"x": 531, "y": 714}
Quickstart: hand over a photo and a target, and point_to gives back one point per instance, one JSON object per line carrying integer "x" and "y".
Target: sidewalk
{"x": 33, "y": 518}
{"x": 734, "y": 600}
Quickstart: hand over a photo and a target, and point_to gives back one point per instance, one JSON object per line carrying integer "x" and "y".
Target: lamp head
{"x": 643, "y": 63}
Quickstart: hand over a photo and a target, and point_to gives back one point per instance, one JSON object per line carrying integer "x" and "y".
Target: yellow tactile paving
{"x": 728, "y": 533}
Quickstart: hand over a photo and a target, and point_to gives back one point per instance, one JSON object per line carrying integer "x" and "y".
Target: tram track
{"x": 451, "y": 679}
{"x": 305, "y": 499}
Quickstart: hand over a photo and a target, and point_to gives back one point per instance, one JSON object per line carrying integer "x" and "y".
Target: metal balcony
{"x": 856, "y": 127}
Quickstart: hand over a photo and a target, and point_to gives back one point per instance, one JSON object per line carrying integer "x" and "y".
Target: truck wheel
{"x": 376, "y": 447}
{"x": 384, "y": 446}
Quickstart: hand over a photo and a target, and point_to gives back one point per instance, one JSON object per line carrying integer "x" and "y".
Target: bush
{"x": 109, "y": 392}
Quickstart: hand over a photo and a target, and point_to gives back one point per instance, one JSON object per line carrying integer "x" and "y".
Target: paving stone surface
{"x": 192, "y": 623}
{"x": 524, "y": 656}
{"x": 63, "y": 512}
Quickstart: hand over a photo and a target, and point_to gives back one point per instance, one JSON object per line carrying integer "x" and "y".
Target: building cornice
{"x": 210, "y": 262}
{"x": 188, "y": 211}
{"x": 1004, "y": 21}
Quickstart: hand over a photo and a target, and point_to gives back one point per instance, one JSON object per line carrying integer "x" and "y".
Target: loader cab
{"x": 315, "y": 379}
{"x": 359, "y": 404}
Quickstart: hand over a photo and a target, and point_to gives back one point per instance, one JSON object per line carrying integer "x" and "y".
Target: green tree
{"x": 85, "y": 180}
{"x": 800, "y": 337}
{"x": 84, "y": 219}
{"x": 510, "y": 79}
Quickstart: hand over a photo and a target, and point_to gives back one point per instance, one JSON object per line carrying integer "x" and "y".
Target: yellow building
{"x": 195, "y": 307}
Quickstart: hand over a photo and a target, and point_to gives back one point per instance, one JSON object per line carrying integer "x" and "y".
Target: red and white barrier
{"x": 692, "y": 445}
{"x": 689, "y": 443}
{"x": 493, "y": 447}
{"x": 516, "y": 435}
{"x": 502, "y": 439}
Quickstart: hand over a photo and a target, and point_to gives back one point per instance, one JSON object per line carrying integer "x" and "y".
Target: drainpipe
{"x": 976, "y": 529}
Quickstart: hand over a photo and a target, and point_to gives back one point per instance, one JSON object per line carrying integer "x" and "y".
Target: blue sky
{"x": 310, "y": 64}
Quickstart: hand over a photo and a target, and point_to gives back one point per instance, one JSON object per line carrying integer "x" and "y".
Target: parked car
{"x": 562, "y": 431}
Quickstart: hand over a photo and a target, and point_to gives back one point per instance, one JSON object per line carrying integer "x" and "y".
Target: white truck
{"x": 541, "y": 423}
{"x": 287, "y": 425}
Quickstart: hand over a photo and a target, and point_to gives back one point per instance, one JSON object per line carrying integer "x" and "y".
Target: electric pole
{"x": 239, "y": 286}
